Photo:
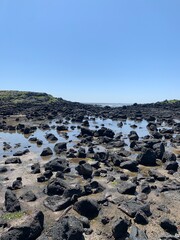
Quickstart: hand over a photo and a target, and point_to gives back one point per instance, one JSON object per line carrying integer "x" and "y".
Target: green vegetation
{"x": 12, "y": 216}
{"x": 173, "y": 101}
{"x": 17, "y": 97}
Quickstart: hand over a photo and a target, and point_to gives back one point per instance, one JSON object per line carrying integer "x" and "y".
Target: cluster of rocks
{"x": 107, "y": 186}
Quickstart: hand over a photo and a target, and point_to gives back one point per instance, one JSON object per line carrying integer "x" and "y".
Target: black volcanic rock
{"x": 57, "y": 164}
{"x": 11, "y": 202}
{"x": 147, "y": 157}
{"x": 46, "y": 152}
{"x": 87, "y": 207}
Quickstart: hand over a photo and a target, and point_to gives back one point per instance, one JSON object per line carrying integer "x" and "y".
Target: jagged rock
{"x": 171, "y": 165}
{"x": 127, "y": 188}
{"x": 86, "y": 131}
{"x": 85, "y": 169}
{"x": 147, "y": 157}
{"x": 133, "y": 136}
{"x": 46, "y": 152}
{"x": 35, "y": 168}
{"x": 3, "y": 169}
{"x": 168, "y": 156}
{"x": 119, "y": 228}
{"x": 141, "y": 218}
{"x": 159, "y": 149}
{"x": 57, "y": 203}
{"x": 20, "y": 153}
{"x": 131, "y": 207}
{"x": 56, "y": 186}
{"x": 156, "y": 175}
{"x": 130, "y": 165}
{"x": 57, "y": 164}
{"x": 137, "y": 234}
{"x": 87, "y": 208}
{"x": 29, "y": 230}
{"x": 13, "y": 160}
{"x": 81, "y": 153}
{"x": 11, "y": 202}
{"x": 51, "y": 137}
{"x": 17, "y": 184}
{"x": 168, "y": 225}
{"x": 28, "y": 196}
{"x": 60, "y": 147}
{"x": 67, "y": 228}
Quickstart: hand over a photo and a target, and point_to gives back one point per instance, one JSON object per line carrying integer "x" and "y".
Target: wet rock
{"x": 51, "y": 137}
{"x": 87, "y": 207}
{"x": 157, "y": 135}
{"x": 67, "y": 228}
{"x": 28, "y": 196}
{"x": 151, "y": 126}
{"x": 60, "y": 147}
{"x": 127, "y": 188}
{"x": 33, "y": 139}
{"x": 57, "y": 164}
{"x": 20, "y": 153}
{"x": 62, "y": 128}
{"x": 168, "y": 225}
{"x": 29, "y": 230}
{"x": 39, "y": 142}
{"x": 84, "y": 169}
{"x": 44, "y": 126}
{"x": 11, "y": 202}
{"x": 119, "y": 228}
{"x": 133, "y": 136}
{"x": 3, "y": 169}
{"x": 35, "y": 168}
{"x": 86, "y": 131}
{"x": 56, "y": 186}
{"x": 147, "y": 157}
{"x": 13, "y": 160}
{"x": 46, "y": 152}
{"x": 105, "y": 132}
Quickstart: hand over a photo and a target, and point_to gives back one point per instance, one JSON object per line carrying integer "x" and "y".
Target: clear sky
{"x": 121, "y": 51}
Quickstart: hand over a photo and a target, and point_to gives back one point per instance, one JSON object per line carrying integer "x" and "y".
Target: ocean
{"x": 110, "y": 104}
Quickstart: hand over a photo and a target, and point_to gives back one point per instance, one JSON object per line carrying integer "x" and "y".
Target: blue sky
{"x": 92, "y": 50}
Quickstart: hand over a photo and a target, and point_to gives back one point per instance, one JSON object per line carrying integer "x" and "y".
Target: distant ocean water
{"x": 110, "y": 104}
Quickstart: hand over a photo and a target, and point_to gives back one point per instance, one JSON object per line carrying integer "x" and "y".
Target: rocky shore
{"x": 77, "y": 171}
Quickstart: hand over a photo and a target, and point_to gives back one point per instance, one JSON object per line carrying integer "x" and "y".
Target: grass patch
{"x": 12, "y": 216}
{"x": 18, "y": 97}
